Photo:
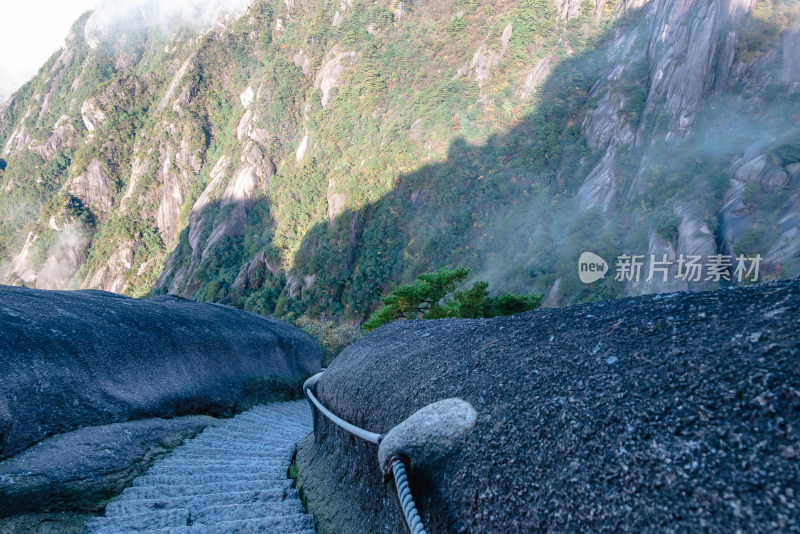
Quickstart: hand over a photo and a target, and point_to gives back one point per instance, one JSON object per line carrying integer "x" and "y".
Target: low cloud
{"x": 64, "y": 258}
{"x": 158, "y": 14}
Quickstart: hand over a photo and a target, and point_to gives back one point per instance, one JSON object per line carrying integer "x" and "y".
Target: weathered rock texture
{"x": 45, "y": 523}
{"x": 675, "y": 413}
{"x": 87, "y": 358}
{"x": 82, "y": 470}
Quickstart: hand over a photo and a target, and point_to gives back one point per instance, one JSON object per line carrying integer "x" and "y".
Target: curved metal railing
{"x": 366, "y": 435}
{"x": 396, "y": 468}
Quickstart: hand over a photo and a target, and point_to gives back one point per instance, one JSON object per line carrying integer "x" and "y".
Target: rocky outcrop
{"x": 94, "y": 187}
{"x": 87, "y": 358}
{"x": 303, "y": 61}
{"x": 568, "y": 9}
{"x": 93, "y": 117}
{"x": 218, "y": 173}
{"x": 676, "y": 413}
{"x": 179, "y": 166}
{"x": 759, "y": 169}
{"x": 197, "y": 219}
{"x": 485, "y": 58}
{"x": 535, "y": 76}
{"x": 139, "y": 168}
{"x": 607, "y": 129}
{"x": 20, "y": 265}
{"x": 688, "y": 58}
{"x": 336, "y": 201}
{"x": 63, "y": 136}
{"x": 246, "y": 98}
{"x": 19, "y": 137}
{"x": 303, "y": 148}
{"x": 339, "y": 16}
{"x": 664, "y": 279}
{"x": 111, "y": 276}
{"x": 328, "y": 76}
{"x": 694, "y": 235}
{"x": 791, "y": 58}
{"x": 81, "y": 470}
{"x": 173, "y": 84}
{"x": 250, "y": 271}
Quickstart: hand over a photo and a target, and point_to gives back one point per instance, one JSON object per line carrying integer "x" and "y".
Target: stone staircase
{"x": 231, "y": 478}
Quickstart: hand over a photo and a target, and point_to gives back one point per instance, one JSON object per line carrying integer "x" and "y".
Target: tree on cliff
{"x": 434, "y": 296}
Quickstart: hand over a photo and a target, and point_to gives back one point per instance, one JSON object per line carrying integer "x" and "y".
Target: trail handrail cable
{"x": 397, "y": 465}
{"x": 366, "y": 435}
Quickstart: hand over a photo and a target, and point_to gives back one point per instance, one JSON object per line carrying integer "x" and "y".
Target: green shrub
{"x": 332, "y": 338}
{"x": 788, "y": 152}
{"x": 457, "y": 26}
{"x": 434, "y": 296}
{"x": 666, "y": 226}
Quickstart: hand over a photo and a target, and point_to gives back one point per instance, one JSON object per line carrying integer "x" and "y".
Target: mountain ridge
{"x": 306, "y": 157}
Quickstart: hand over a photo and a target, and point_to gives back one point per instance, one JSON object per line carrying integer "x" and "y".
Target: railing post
{"x": 311, "y": 385}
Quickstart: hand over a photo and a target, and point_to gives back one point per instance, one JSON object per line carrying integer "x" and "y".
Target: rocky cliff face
{"x": 675, "y": 413}
{"x": 225, "y": 162}
{"x": 692, "y": 58}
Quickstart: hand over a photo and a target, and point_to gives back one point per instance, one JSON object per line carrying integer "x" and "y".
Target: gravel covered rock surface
{"x": 667, "y": 413}
{"x": 70, "y": 359}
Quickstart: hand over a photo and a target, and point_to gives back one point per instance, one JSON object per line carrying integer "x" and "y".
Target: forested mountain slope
{"x": 306, "y": 156}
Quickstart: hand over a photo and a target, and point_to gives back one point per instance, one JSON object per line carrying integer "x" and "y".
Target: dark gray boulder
{"x": 70, "y": 359}
{"x": 81, "y": 470}
{"x": 667, "y": 413}
{"x": 45, "y": 523}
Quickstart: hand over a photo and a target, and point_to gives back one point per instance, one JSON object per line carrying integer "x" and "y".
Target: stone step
{"x": 229, "y": 452}
{"x": 283, "y": 424}
{"x": 154, "y": 492}
{"x": 266, "y": 525}
{"x": 177, "y": 517}
{"x": 204, "y": 467}
{"x": 179, "y": 478}
{"x": 264, "y": 456}
{"x": 245, "y": 443}
{"x": 212, "y": 515}
{"x": 225, "y": 460}
{"x": 287, "y": 420}
{"x": 230, "y": 479}
{"x": 271, "y": 525}
{"x": 196, "y": 502}
{"x": 259, "y": 436}
{"x": 221, "y": 438}
{"x": 206, "y": 478}
{"x": 197, "y": 453}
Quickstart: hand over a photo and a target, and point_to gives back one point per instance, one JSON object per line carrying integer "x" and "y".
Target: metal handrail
{"x": 366, "y": 435}
{"x": 396, "y": 468}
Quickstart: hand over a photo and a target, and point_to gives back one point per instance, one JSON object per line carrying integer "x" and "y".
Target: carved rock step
{"x": 229, "y": 479}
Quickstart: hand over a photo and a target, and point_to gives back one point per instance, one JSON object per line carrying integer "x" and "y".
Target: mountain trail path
{"x": 231, "y": 478}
